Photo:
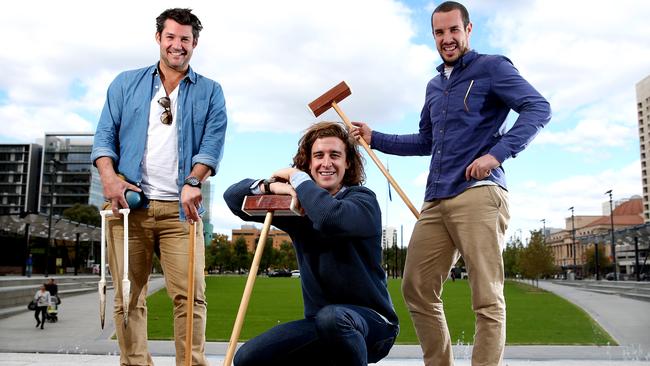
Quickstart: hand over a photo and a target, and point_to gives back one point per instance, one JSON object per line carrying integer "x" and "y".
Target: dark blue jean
{"x": 339, "y": 335}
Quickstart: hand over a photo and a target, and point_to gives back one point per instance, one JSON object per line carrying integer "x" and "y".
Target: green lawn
{"x": 533, "y": 317}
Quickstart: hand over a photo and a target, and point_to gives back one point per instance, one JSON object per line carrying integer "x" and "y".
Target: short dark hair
{"x": 180, "y": 16}
{"x": 354, "y": 174}
{"x": 448, "y": 6}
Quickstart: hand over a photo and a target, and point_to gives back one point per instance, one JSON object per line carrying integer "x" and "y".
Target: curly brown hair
{"x": 354, "y": 174}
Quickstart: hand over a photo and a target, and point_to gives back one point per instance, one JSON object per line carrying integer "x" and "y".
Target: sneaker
{"x": 38, "y": 324}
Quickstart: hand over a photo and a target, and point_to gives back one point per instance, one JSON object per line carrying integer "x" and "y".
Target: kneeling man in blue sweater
{"x": 349, "y": 316}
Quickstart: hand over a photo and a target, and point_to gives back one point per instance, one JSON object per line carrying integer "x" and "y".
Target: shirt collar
{"x": 343, "y": 188}
{"x": 463, "y": 61}
{"x": 190, "y": 75}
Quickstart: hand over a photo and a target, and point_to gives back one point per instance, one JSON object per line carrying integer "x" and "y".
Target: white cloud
{"x": 272, "y": 58}
{"x": 589, "y": 136}
{"x": 26, "y": 124}
{"x": 586, "y": 62}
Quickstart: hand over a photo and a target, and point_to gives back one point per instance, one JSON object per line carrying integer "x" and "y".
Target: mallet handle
{"x": 243, "y": 306}
{"x": 378, "y": 162}
{"x": 189, "y": 322}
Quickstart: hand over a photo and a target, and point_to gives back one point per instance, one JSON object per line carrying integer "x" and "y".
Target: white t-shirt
{"x": 160, "y": 163}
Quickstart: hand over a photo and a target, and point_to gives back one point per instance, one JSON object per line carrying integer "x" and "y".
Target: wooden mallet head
{"x": 280, "y": 205}
{"x": 334, "y": 95}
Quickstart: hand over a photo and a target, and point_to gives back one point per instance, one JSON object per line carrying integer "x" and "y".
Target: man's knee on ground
{"x": 332, "y": 321}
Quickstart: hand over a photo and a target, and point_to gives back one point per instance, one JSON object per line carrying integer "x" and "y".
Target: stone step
{"x": 642, "y": 297}
{"x": 11, "y": 281}
{"x": 13, "y": 310}
{"x": 22, "y": 295}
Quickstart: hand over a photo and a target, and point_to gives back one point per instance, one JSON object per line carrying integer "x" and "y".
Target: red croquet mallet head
{"x": 324, "y": 102}
{"x": 280, "y": 205}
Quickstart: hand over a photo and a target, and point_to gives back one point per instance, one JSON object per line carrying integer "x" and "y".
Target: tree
{"x": 269, "y": 256}
{"x": 511, "y": 257}
{"x": 241, "y": 258}
{"x": 85, "y": 214}
{"x": 536, "y": 260}
{"x": 218, "y": 255}
{"x": 287, "y": 256}
{"x": 590, "y": 259}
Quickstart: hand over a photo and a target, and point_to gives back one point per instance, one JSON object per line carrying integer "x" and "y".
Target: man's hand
{"x": 191, "y": 199}
{"x": 114, "y": 186}
{"x": 286, "y": 188}
{"x": 285, "y": 174}
{"x": 361, "y": 131}
{"x": 481, "y": 168}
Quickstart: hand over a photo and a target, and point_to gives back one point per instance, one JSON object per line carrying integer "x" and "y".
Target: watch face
{"x": 192, "y": 181}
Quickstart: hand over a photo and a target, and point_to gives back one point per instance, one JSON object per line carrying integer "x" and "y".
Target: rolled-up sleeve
{"x": 212, "y": 143}
{"x": 106, "y": 137}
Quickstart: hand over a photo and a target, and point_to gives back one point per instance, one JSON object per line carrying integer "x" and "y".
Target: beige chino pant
{"x": 157, "y": 225}
{"x": 472, "y": 224}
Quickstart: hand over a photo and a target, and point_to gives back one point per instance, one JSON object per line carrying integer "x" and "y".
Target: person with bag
{"x": 42, "y": 300}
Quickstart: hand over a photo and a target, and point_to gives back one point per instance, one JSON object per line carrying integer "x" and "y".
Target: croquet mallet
{"x": 268, "y": 205}
{"x": 189, "y": 322}
{"x": 330, "y": 99}
{"x": 126, "y": 284}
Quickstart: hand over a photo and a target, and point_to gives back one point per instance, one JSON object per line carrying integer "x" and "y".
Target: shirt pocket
{"x": 199, "y": 113}
{"x": 472, "y": 95}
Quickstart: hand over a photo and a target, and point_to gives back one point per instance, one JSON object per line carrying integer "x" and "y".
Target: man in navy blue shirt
{"x": 349, "y": 316}
{"x": 462, "y": 127}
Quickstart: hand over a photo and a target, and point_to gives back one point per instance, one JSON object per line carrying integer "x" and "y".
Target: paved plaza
{"x": 77, "y": 338}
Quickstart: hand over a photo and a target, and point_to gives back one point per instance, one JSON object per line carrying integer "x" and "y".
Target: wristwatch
{"x": 192, "y": 182}
{"x": 267, "y": 183}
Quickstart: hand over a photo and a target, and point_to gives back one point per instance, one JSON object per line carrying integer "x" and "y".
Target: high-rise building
{"x": 66, "y": 176}
{"x": 388, "y": 237}
{"x": 19, "y": 178}
{"x": 643, "y": 115}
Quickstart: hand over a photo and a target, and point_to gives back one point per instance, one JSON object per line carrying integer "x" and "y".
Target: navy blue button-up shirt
{"x": 463, "y": 119}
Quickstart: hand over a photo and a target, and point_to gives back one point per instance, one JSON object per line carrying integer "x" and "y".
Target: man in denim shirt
{"x": 161, "y": 133}
{"x": 466, "y": 207}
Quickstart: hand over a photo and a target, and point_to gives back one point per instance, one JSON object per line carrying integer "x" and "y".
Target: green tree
{"x": 590, "y": 260}
{"x": 269, "y": 256}
{"x": 218, "y": 255}
{"x": 241, "y": 258}
{"x": 536, "y": 260}
{"x": 511, "y": 255}
{"x": 287, "y": 256}
{"x": 85, "y": 214}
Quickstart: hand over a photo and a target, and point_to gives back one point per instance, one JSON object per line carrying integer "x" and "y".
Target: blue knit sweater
{"x": 337, "y": 243}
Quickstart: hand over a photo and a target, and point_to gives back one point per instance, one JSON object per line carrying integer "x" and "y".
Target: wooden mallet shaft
{"x": 330, "y": 99}
{"x": 189, "y": 321}
{"x": 257, "y": 205}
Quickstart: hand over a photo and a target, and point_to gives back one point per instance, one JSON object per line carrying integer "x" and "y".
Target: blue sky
{"x": 272, "y": 58}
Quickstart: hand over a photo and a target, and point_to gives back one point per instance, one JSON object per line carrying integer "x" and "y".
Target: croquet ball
{"x": 134, "y": 199}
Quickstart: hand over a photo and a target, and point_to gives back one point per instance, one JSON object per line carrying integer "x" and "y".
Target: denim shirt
{"x": 122, "y": 128}
{"x": 463, "y": 119}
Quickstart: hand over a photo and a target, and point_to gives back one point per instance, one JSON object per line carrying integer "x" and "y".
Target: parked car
{"x": 295, "y": 273}
{"x": 279, "y": 273}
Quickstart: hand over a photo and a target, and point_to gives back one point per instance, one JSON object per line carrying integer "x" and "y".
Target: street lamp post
{"x": 53, "y": 163}
{"x": 597, "y": 260}
{"x": 611, "y": 220}
{"x": 573, "y": 234}
{"x": 543, "y": 230}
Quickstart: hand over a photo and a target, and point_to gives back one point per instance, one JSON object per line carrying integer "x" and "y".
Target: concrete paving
{"x": 78, "y": 340}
